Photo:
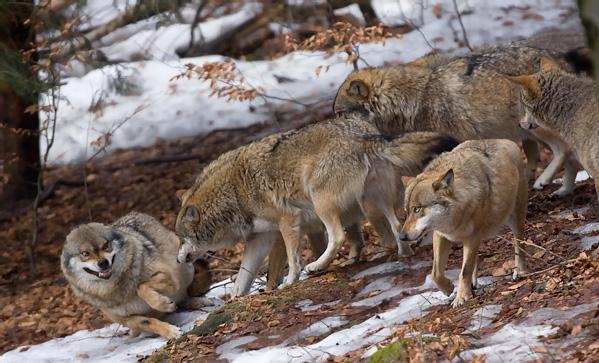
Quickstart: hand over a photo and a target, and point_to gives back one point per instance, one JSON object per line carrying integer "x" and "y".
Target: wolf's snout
{"x": 403, "y": 236}
{"x": 103, "y": 264}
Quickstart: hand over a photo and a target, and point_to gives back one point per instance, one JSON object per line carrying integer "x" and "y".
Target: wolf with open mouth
{"x": 129, "y": 270}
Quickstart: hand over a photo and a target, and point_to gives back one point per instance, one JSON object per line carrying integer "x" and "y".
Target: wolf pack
{"x": 454, "y": 127}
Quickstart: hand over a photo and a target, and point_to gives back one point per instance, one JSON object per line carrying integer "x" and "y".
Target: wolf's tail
{"x": 413, "y": 151}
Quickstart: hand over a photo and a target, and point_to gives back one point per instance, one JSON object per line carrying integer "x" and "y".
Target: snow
{"x": 307, "y": 305}
{"x": 587, "y": 228}
{"x": 569, "y": 213}
{"x": 483, "y": 317}
{"x": 515, "y": 342}
{"x": 100, "y": 345}
{"x": 588, "y": 242}
{"x": 582, "y": 176}
{"x": 230, "y": 350}
{"x": 322, "y": 327}
{"x": 388, "y": 267}
{"x": 165, "y": 109}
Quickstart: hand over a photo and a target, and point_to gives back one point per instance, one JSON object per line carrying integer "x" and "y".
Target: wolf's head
{"x": 390, "y": 97}
{"x": 544, "y": 94}
{"x": 428, "y": 205}
{"x": 209, "y": 219}
{"x": 93, "y": 252}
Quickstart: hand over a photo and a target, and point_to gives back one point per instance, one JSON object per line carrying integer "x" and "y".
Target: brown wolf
{"x": 567, "y": 105}
{"x": 292, "y": 183}
{"x": 465, "y": 196}
{"x": 129, "y": 270}
{"x": 466, "y": 97}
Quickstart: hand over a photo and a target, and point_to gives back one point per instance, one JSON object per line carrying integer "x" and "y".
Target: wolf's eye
{"x": 84, "y": 254}
{"x": 416, "y": 209}
{"x": 106, "y": 246}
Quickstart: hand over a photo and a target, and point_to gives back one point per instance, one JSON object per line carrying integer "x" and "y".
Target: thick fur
{"x": 465, "y": 196}
{"x": 330, "y": 173}
{"x": 137, "y": 257}
{"x": 467, "y": 97}
{"x": 567, "y": 105}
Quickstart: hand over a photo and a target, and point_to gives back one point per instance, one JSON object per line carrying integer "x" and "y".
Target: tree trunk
{"x": 19, "y": 130}
{"x": 589, "y": 14}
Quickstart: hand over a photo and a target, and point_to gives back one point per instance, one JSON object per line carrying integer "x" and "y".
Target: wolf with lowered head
{"x": 465, "y": 196}
{"x": 567, "y": 105}
{"x": 129, "y": 270}
{"x": 330, "y": 173}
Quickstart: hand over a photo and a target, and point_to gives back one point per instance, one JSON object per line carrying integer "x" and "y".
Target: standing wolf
{"x": 129, "y": 270}
{"x": 466, "y": 97}
{"x": 465, "y": 196}
{"x": 567, "y": 105}
{"x": 292, "y": 183}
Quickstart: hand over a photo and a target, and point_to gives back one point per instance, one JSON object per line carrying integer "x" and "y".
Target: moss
{"x": 394, "y": 352}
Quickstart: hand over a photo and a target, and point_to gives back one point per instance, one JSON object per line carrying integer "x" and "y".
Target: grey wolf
{"x": 465, "y": 196}
{"x": 129, "y": 270}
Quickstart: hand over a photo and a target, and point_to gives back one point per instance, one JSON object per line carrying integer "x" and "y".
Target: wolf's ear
{"x": 358, "y": 88}
{"x": 548, "y": 64}
{"x": 180, "y": 193}
{"x": 529, "y": 84}
{"x": 192, "y": 215}
{"x": 445, "y": 181}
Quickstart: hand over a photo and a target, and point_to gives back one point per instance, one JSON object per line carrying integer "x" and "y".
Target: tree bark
{"x": 19, "y": 130}
{"x": 589, "y": 14}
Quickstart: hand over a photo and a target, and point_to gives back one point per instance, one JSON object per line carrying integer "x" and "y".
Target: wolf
{"x": 465, "y": 196}
{"x": 566, "y": 104}
{"x": 329, "y": 173}
{"x": 129, "y": 270}
{"x": 467, "y": 97}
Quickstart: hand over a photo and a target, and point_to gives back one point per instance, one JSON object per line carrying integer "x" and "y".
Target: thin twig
{"x": 455, "y": 6}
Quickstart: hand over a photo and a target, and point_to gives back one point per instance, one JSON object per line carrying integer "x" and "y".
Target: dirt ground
{"x": 146, "y": 180}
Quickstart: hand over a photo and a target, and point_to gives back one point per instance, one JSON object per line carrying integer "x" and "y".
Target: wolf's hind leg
{"x": 277, "y": 260}
{"x": 137, "y": 323}
{"x": 152, "y": 292}
{"x": 356, "y": 242}
{"x": 254, "y": 254}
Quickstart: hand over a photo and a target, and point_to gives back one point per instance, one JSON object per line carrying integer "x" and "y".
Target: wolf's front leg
{"x": 137, "y": 323}
{"x": 254, "y": 254}
{"x": 329, "y": 215}
{"x": 464, "y": 292}
{"x": 152, "y": 292}
{"x": 290, "y": 227}
{"x": 441, "y": 249}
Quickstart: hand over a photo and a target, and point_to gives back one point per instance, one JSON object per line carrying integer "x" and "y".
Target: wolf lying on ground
{"x": 567, "y": 105}
{"x": 129, "y": 270}
{"x": 465, "y": 196}
{"x": 327, "y": 173}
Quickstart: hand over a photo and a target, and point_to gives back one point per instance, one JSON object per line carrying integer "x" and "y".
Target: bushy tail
{"x": 413, "y": 151}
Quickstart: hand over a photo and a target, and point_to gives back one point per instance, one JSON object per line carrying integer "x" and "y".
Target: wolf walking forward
{"x": 129, "y": 270}
{"x": 465, "y": 196}
{"x": 567, "y": 105}
{"x": 294, "y": 183}
{"x": 467, "y": 97}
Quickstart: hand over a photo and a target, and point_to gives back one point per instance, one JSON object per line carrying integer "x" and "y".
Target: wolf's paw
{"x": 350, "y": 262}
{"x": 563, "y": 192}
{"x": 540, "y": 184}
{"x": 133, "y": 333}
{"x": 172, "y": 332}
{"x": 518, "y": 273}
{"x": 166, "y": 305}
{"x": 460, "y": 299}
{"x": 314, "y": 267}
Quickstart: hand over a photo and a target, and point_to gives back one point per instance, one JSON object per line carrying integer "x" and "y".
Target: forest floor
{"x": 344, "y": 314}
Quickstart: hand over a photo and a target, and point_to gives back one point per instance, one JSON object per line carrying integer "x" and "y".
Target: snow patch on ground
{"x": 230, "y": 349}
{"x": 102, "y": 345}
{"x": 587, "y": 228}
{"x": 388, "y": 267}
{"x": 569, "y": 213}
{"x": 307, "y": 305}
{"x": 515, "y": 342}
{"x": 483, "y": 317}
{"x": 588, "y": 242}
